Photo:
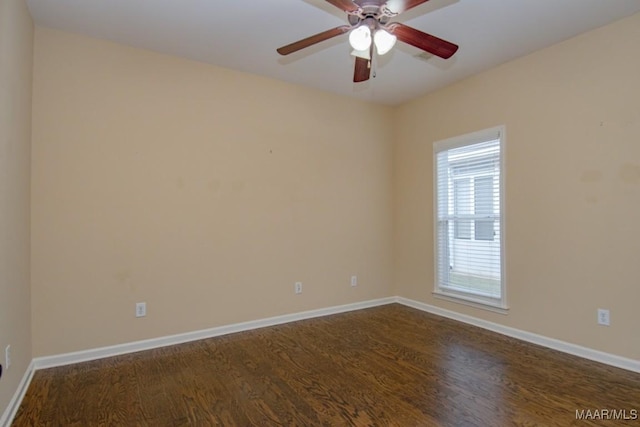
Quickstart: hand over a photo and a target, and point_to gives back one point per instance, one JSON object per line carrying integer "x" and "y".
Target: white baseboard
{"x": 14, "y": 404}
{"x": 99, "y": 353}
{"x": 102, "y": 352}
{"x": 565, "y": 347}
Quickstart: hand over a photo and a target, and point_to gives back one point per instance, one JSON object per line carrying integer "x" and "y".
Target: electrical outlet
{"x": 354, "y": 280}
{"x": 141, "y": 309}
{"x": 298, "y": 288}
{"x": 603, "y": 317}
{"x": 7, "y": 356}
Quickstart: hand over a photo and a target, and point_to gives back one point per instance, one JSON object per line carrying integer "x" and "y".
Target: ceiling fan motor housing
{"x": 374, "y": 11}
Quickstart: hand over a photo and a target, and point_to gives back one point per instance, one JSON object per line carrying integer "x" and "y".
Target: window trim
{"x": 498, "y": 305}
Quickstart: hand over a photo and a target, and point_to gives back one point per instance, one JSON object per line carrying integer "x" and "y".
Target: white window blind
{"x": 468, "y": 217}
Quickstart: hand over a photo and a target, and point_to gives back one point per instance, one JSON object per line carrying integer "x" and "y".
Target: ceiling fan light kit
{"x": 368, "y": 26}
{"x": 360, "y": 37}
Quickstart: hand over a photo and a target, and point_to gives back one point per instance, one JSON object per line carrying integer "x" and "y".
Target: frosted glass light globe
{"x": 384, "y": 41}
{"x": 360, "y": 38}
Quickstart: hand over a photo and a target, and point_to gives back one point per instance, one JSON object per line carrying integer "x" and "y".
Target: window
{"x": 461, "y": 189}
{"x": 483, "y": 199}
{"x": 468, "y": 222}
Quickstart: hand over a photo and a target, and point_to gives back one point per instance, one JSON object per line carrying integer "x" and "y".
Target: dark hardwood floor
{"x": 385, "y": 366}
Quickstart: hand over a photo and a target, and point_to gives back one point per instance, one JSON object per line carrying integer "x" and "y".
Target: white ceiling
{"x": 244, "y": 35}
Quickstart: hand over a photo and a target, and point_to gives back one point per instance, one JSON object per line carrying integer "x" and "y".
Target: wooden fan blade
{"x": 424, "y": 41}
{"x": 310, "y": 41}
{"x": 399, "y": 6}
{"x": 346, "y": 5}
{"x": 362, "y": 70}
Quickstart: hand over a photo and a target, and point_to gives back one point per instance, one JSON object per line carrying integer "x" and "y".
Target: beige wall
{"x": 16, "y": 56}
{"x": 572, "y": 116}
{"x": 203, "y": 191}
{"x": 207, "y": 192}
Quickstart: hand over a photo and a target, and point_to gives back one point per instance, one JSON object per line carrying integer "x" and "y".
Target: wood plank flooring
{"x": 384, "y": 366}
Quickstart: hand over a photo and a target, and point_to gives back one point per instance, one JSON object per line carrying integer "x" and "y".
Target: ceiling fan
{"x": 369, "y": 26}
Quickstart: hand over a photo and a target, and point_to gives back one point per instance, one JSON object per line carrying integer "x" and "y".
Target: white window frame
{"x": 498, "y": 305}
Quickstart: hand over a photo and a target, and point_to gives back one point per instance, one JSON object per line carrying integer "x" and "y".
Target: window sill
{"x": 471, "y": 302}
